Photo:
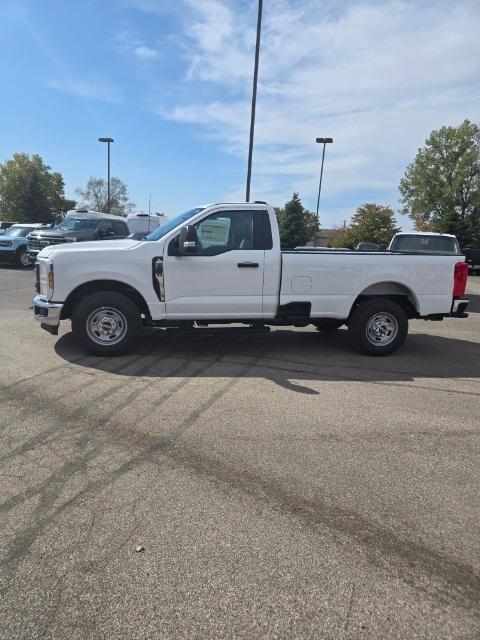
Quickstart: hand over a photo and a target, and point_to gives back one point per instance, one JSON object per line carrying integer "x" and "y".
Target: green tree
{"x": 95, "y": 196}
{"x": 295, "y": 223}
{"x": 30, "y": 191}
{"x": 370, "y": 223}
{"x": 441, "y": 188}
{"x": 311, "y": 223}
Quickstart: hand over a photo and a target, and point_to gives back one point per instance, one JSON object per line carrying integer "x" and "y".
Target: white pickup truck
{"x": 223, "y": 264}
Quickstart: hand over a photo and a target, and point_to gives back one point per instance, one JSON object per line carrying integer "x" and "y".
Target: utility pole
{"x": 254, "y": 99}
{"x": 108, "y": 141}
{"x": 323, "y": 141}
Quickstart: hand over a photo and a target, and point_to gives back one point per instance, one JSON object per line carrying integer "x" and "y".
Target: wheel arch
{"x": 94, "y": 286}
{"x": 395, "y": 291}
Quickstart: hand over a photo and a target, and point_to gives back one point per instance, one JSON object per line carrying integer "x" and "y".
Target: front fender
{"x": 68, "y": 282}
{"x": 130, "y": 268}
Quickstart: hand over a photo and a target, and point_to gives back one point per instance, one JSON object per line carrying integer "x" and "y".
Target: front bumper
{"x": 458, "y": 308}
{"x": 47, "y": 313}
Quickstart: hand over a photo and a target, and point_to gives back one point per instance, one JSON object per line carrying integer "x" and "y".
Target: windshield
{"x": 171, "y": 224}
{"x": 426, "y": 244}
{"x": 18, "y": 232}
{"x": 77, "y": 223}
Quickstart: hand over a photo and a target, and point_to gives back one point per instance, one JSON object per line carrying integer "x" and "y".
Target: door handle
{"x": 248, "y": 265}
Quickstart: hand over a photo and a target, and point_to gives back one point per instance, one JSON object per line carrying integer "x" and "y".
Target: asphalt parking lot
{"x": 277, "y": 486}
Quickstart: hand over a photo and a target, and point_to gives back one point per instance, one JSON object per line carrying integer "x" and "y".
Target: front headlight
{"x": 6, "y": 243}
{"x": 50, "y": 279}
{"x": 46, "y": 278}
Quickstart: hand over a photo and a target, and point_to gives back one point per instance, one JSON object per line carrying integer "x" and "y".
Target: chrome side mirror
{"x": 188, "y": 241}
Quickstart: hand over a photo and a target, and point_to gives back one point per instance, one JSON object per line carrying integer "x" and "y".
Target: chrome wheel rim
{"x": 382, "y": 329}
{"x": 24, "y": 259}
{"x": 106, "y": 325}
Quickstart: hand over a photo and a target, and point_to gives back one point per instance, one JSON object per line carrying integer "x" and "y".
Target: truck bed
{"x": 329, "y": 280}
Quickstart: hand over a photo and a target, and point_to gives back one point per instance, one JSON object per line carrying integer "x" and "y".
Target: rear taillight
{"x": 460, "y": 279}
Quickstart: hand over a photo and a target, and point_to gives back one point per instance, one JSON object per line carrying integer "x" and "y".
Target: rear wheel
{"x": 106, "y": 323}
{"x": 378, "y": 327}
{"x": 328, "y": 324}
{"x": 23, "y": 258}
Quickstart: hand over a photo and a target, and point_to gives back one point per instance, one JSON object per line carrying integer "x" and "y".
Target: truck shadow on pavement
{"x": 286, "y": 357}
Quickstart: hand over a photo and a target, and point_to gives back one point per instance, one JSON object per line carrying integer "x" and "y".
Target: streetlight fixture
{"x": 108, "y": 141}
{"x": 323, "y": 141}
{"x": 254, "y": 99}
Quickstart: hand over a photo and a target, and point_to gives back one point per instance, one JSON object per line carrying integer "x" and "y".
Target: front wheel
{"x": 23, "y": 258}
{"x": 378, "y": 327}
{"x": 106, "y": 323}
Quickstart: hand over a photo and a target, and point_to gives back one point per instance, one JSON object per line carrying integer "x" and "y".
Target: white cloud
{"x": 129, "y": 43}
{"x": 96, "y": 91}
{"x": 145, "y": 53}
{"x": 377, "y": 77}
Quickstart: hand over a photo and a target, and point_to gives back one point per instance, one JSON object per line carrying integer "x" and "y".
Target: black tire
{"x": 378, "y": 327}
{"x": 106, "y": 323}
{"x": 23, "y": 259}
{"x": 328, "y": 324}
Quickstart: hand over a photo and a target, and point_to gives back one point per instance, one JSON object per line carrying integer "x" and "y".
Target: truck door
{"x": 224, "y": 277}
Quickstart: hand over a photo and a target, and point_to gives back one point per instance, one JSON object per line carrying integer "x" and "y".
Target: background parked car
{"x": 79, "y": 225}
{"x": 4, "y": 226}
{"x": 13, "y": 243}
{"x": 473, "y": 258}
{"x": 141, "y": 224}
{"x": 370, "y": 246}
{"x": 425, "y": 242}
{"x": 312, "y": 248}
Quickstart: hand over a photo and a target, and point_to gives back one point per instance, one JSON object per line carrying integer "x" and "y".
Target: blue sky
{"x": 170, "y": 80}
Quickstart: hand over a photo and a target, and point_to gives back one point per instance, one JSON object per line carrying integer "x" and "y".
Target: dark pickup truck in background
{"x": 472, "y": 256}
{"x": 78, "y": 226}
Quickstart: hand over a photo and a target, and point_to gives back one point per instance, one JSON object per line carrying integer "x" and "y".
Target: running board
{"x": 218, "y": 329}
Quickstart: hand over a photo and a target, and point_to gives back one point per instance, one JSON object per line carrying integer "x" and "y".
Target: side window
{"x": 225, "y": 231}
{"x": 106, "y": 229}
{"x": 120, "y": 228}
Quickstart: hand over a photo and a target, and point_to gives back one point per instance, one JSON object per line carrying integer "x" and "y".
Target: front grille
{"x": 38, "y": 243}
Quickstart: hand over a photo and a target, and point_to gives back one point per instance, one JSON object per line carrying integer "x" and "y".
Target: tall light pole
{"x": 323, "y": 141}
{"x": 108, "y": 141}
{"x": 254, "y": 99}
